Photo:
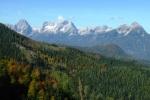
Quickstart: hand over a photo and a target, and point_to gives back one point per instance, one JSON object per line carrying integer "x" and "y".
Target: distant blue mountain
{"x": 133, "y": 39}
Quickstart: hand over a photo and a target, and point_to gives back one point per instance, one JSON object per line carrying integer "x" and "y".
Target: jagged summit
{"x": 23, "y": 27}
{"x": 23, "y": 21}
{"x": 137, "y": 29}
{"x": 123, "y": 29}
{"x": 134, "y": 29}
{"x": 62, "y": 26}
{"x": 136, "y": 24}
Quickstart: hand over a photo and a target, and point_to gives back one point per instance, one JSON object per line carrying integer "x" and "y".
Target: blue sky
{"x": 82, "y": 12}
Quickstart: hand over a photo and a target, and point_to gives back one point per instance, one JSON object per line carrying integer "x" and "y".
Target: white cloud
{"x": 61, "y": 18}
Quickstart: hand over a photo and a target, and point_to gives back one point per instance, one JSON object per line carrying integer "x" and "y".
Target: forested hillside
{"x": 31, "y": 70}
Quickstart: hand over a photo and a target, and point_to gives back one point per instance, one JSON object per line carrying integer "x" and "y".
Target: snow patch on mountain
{"x": 94, "y": 30}
{"x": 60, "y": 26}
{"x": 23, "y": 27}
{"x": 134, "y": 28}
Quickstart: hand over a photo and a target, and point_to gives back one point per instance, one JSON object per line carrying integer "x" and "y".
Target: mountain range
{"x": 133, "y": 39}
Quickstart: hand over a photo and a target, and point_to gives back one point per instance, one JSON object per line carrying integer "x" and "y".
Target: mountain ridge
{"x": 133, "y": 39}
{"x": 58, "y": 26}
{"x": 107, "y": 50}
